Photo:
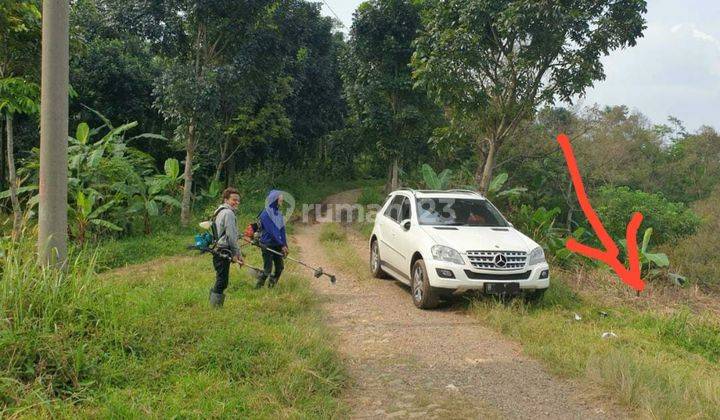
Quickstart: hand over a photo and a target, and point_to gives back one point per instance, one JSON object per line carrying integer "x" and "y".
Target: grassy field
{"x": 664, "y": 364}
{"x": 142, "y": 341}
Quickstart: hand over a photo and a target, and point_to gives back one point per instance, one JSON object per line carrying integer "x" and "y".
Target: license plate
{"x": 502, "y": 288}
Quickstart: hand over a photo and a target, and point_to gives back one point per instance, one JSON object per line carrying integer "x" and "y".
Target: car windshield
{"x": 458, "y": 212}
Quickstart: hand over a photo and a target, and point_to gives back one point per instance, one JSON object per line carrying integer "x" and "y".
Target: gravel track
{"x": 409, "y": 363}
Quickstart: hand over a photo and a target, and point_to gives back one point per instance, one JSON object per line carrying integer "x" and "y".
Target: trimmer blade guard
{"x": 332, "y": 279}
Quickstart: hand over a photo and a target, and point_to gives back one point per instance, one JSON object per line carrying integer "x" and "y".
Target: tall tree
{"x": 379, "y": 87}
{"x": 204, "y": 35}
{"x": 17, "y": 96}
{"x": 19, "y": 44}
{"x": 490, "y": 63}
{"x": 52, "y": 217}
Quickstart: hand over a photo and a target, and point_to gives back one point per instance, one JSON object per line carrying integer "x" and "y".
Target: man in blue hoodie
{"x": 273, "y": 237}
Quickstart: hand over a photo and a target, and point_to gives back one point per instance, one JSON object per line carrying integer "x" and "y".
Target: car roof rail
{"x": 467, "y": 191}
{"x": 412, "y": 191}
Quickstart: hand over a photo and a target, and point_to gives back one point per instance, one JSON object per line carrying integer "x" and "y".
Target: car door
{"x": 389, "y": 229}
{"x": 404, "y": 241}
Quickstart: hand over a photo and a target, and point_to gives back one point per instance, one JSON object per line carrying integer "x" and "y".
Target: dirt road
{"x": 408, "y": 363}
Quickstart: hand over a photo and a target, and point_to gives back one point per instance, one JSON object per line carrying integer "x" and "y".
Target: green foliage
{"x": 689, "y": 169}
{"x": 433, "y": 180}
{"x": 496, "y": 187}
{"x": 668, "y": 220}
{"x": 110, "y": 182}
{"x": 489, "y": 64}
{"x": 393, "y": 119}
{"x": 18, "y": 96}
{"x": 696, "y": 256}
{"x": 649, "y": 261}
{"x": 371, "y": 195}
{"x": 85, "y": 213}
{"x": 539, "y": 225}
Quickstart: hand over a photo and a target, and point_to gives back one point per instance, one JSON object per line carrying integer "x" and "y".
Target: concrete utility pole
{"x": 52, "y": 219}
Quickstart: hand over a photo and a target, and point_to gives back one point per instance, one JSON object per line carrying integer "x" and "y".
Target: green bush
{"x": 669, "y": 220}
{"x": 371, "y": 195}
{"x": 696, "y": 256}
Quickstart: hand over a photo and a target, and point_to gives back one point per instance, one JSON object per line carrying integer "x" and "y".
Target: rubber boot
{"x": 272, "y": 281}
{"x": 216, "y": 299}
{"x": 260, "y": 281}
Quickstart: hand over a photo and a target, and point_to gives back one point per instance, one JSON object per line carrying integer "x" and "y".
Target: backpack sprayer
{"x": 206, "y": 242}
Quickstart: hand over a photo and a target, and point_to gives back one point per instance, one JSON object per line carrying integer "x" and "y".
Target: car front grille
{"x": 498, "y": 260}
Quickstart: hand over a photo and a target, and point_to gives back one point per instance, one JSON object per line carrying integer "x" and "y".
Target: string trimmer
{"x": 317, "y": 271}
{"x": 226, "y": 255}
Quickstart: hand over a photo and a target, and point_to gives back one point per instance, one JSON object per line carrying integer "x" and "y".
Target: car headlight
{"x": 536, "y": 256}
{"x": 445, "y": 253}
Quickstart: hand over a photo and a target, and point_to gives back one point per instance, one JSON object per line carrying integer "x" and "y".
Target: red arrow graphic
{"x": 609, "y": 256}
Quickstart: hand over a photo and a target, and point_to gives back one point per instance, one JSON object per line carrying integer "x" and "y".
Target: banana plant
{"x": 213, "y": 190}
{"x": 433, "y": 180}
{"x": 85, "y": 155}
{"x": 147, "y": 200}
{"x": 649, "y": 261}
{"x": 169, "y": 180}
{"x": 495, "y": 188}
{"x": 85, "y": 214}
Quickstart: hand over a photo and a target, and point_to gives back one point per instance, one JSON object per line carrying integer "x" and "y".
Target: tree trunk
{"x": 146, "y": 221}
{"x": 395, "y": 182}
{"x": 12, "y": 178}
{"x": 230, "y": 173}
{"x": 2, "y": 164}
{"x": 52, "y": 217}
{"x": 388, "y": 179}
{"x": 187, "y": 176}
{"x": 223, "y": 157}
{"x": 487, "y": 173}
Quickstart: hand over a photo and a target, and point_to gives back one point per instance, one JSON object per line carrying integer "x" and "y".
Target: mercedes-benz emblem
{"x": 500, "y": 260}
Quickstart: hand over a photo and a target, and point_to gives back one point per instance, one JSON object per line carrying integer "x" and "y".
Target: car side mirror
{"x": 406, "y": 224}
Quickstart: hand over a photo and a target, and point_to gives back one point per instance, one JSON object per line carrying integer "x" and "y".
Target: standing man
{"x": 273, "y": 238}
{"x": 227, "y": 244}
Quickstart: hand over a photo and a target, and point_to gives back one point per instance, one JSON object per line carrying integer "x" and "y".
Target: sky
{"x": 673, "y": 70}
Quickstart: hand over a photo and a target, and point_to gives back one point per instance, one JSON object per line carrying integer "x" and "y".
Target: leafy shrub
{"x": 615, "y": 206}
{"x": 696, "y": 256}
{"x": 539, "y": 225}
{"x": 370, "y": 195}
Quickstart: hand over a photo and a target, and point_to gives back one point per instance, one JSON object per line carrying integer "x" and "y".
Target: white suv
{"x": 445, "y": 242}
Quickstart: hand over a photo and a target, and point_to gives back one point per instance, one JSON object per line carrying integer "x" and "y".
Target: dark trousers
{"x": 222, "y": 273}
{"x": 269, "y": 259}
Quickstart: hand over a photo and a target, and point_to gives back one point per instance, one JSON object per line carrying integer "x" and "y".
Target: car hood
{"x": 479, "y": 238}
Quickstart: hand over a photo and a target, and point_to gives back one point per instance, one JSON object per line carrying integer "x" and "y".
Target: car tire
{"x": 423, "y": 295}
{"x": 375, "y": 268}
{"x": 535, "y": 295}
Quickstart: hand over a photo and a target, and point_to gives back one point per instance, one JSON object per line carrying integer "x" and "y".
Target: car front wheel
{"x": 423, "y": 296}
{"x": 377, "y": 271}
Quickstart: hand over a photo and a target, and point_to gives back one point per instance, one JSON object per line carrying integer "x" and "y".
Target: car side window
{"x": 405, "y": 210}
{"x": 393, "y": 210}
